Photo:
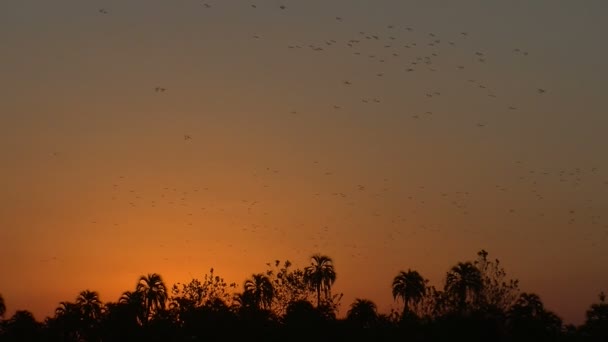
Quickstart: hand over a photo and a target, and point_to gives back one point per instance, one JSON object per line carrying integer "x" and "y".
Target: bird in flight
{"x": 187, "y": 137}
{"x": 103, "y": 11}
{"x": 541, "y": 91}
{"x": 159, "y": 89}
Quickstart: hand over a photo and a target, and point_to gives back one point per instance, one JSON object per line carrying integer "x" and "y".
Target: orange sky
{"x": 397, "y": 169}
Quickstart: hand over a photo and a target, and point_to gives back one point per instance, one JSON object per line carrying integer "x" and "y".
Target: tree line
{"x": 477, "y": 302}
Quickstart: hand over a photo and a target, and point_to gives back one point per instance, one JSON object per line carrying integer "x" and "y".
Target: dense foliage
{"x": 477, "y": 303}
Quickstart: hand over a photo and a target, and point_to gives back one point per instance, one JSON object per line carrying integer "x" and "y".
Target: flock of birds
{"x": 407, "y": 52}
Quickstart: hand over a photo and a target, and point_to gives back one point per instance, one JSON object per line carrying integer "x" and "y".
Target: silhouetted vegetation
{"x": 477, "y": 303}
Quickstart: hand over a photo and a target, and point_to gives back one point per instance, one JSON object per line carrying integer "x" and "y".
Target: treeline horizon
{"x": 478, "y": 302}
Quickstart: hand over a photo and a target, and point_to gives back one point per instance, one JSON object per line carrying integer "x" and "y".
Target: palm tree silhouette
{"x": 241, "y": 301}
{"x": 154, "y": 293}
{"x": 134, "y": 301}
{"x": 2, "y": 306}
{"x": 63, "y": 309}
{"x": 363, "y": 313}
{"x": 410, "y": 287}
{"x": 66, "y": 322}
{"x": 320, "y": 275}
{"x": 259, "y": 288}
{"x": 89, "y": 304}
{"x": 464, "y": 283}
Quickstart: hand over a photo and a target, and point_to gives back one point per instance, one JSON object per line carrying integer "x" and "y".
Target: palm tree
{"x": 320, "y": 275}
{"x": 259, "y": 288}
{"x": 240, "y": 301}
{"x": 89, "y": 304}
{"x": 65, "y": 308}
{"x": 2, "y": 306}
{"x": 67, "y": 321}
{"x": 135, "y": 305}
{"x": 154, "y": 293}
{"x": 363, "y": 312}
{"x": 132, "y": 298}
{"x": 464, "y": 283}
{"x": 410, "y": 287}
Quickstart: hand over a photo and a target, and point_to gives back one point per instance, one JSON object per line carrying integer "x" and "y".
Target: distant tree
{"x": 433, "y": 304}
{"x": 119, "y": 322}
{"x": 242, "y": 301}
{"x": 22, "y": 326}
{"x": 528, "y": 319}
{"x": 198, "y": 293}
{"x": 596, "y": 322}
{"x": 133, "y": 306}
{"x": 154, "y": 293}
{"x": 66, "y": 308}
{"x": 363, "y": 313}
{"x": 302, "y": 314}
{"x": 288, "y": 283}
{"x": 389, "y": 320}
{"x": 89, "y": 308}
{"x": 259, "y": 288}
{"x": 67, "y": 322}
{"x": 2, "y": 307}
{"x": 320, "y": 276}
{"x": 330, "y": 306}
{"x": 464, "y": 284}
{"x": 89, "y": 305}
{"x": 497, "y": 293}
{"x": 410, "y": 287}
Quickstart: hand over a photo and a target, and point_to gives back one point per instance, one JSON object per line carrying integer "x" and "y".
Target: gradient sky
{"x": 397, "y": 169}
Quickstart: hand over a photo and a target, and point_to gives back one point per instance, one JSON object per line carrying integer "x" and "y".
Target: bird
{"x": 187, "y": 137}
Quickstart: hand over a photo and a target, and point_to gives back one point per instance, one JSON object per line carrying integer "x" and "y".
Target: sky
{"x": 164, "y": 136}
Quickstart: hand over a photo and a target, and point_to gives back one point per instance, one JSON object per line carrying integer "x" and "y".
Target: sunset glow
{"x": 171, "y": 137}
